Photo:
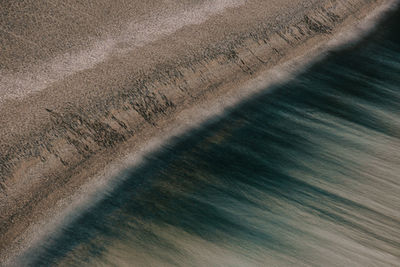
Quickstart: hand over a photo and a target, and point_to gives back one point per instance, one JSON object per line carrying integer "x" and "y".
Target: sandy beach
{"x": 85, "y": 87}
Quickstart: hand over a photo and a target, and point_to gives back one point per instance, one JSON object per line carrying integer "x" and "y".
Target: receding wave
{"x": 306, "y": 174}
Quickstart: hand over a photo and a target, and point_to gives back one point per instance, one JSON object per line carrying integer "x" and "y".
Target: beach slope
{"x": 82, "y": 85}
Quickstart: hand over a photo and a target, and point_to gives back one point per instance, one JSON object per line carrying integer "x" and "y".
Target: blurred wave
{"x": 306, "y": 174}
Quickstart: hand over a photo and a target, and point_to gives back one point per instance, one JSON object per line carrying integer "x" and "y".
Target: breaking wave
{"x": 306, "y": 173}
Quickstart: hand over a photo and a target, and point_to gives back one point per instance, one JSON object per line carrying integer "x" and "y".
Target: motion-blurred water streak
{"x": 305, "y": 174}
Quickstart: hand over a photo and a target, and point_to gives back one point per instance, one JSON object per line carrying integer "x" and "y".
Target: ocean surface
{"x": 306, "y": 173}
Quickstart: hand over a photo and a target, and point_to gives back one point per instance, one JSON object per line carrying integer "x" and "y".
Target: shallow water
{"x": 305, "y": 174}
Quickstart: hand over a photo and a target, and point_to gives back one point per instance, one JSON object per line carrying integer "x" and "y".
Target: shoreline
{"x": 135, "y": 147}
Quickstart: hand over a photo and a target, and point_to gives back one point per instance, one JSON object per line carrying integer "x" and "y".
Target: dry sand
{"x": 84, "y": 85}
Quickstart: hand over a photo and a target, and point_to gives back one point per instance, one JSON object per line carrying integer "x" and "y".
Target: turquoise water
{"x": 304, "y": 174}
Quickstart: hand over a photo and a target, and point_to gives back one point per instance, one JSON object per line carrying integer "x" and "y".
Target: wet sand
{"x": 71, "y": 106}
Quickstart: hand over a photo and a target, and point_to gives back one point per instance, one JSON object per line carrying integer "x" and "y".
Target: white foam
{"x": 89, "y": 194}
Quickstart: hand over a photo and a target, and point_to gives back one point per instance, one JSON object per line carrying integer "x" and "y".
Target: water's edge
{"x": 305, "y": 174}
{"x": 130, "y": 160}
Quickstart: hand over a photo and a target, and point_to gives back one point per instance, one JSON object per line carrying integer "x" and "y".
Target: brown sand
{"x": 83, "y": 86}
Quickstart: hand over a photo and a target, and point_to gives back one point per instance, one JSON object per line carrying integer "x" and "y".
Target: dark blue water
{"x": 306, "y": 173}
